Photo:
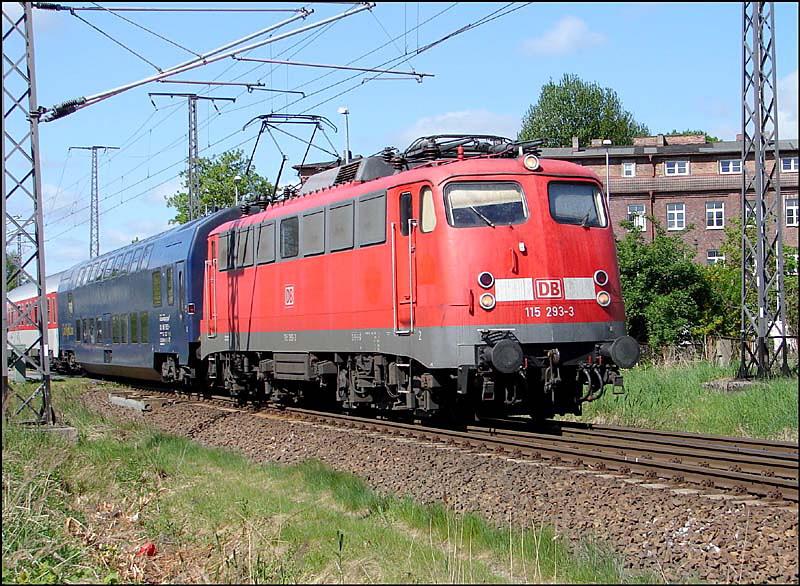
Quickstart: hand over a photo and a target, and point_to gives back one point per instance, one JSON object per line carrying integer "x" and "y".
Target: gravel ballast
{"x": 679, "y": 534}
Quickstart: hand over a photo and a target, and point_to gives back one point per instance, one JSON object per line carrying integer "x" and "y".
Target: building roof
{"x": 725, "y": 147}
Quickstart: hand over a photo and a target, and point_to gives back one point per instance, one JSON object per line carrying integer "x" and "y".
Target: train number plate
{"x": 550, "y": 311}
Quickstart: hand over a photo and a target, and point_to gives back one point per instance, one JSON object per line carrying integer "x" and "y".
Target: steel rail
{"x": 762, "y": 473}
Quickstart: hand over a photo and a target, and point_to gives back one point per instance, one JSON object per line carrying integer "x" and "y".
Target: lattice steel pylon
{"x": 94, "y": 211}
{"x": 763, "y": 311}
{"x": 194, "y": 175}
{"x": 22, "y": 212}
{"x": 192, "y": 163}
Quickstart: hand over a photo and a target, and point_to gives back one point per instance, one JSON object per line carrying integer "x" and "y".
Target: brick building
{"x": 687, "y": 184}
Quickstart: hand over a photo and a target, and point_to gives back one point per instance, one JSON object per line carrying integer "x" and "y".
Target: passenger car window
{"x": 170, "y": 287}
{"x": 485, "y": 203}
{"x": 576, "y": 203}
{"x": 157, "y": 288}
{"x": 144, "y": 329}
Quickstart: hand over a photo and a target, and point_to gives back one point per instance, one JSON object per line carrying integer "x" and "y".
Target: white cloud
{"x": 465, "y": 121}
{"x": 787, "y": 106}
{"x": 113, "y": 238}
{"x": 569, "y": 35}
{"x": 158, "y": 194}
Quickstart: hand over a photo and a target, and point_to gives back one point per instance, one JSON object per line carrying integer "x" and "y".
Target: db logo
{"x": 548, "y": 289}
{"x": 288, "y": 295}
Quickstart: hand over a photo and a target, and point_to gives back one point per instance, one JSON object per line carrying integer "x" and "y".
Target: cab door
{"x": 403, "y": 238}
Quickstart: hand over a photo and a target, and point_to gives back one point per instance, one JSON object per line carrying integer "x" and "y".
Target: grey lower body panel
{"x": 435, "y": 347}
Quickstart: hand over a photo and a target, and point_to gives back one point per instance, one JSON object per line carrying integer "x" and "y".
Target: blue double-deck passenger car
{"x": 136, "y": 311}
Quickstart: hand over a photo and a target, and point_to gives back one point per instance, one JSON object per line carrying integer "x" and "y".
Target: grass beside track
{"x": 674, "y": 398}
{"x": 79, "y": 513}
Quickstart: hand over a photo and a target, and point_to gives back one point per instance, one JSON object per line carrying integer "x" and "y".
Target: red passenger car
{"x": 466, "y": 273}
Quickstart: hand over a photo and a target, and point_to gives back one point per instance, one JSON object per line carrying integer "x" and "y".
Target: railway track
{"x": 741, "y": 465}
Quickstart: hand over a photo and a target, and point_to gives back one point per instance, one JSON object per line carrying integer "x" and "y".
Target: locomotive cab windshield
{"x": 482, "y": 203}
{"x": 577, "y": 203}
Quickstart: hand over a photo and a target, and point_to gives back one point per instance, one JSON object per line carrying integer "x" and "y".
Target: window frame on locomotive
{"x": 447, "y": 187}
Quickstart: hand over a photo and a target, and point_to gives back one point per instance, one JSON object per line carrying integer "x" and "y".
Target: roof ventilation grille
{"x": 347, "y": 173}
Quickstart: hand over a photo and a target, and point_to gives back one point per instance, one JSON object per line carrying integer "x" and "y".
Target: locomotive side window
{"x": 224, "y": 251}
{"x": 427, "y": 212}
{"x": 340, "y": 226}
{"x": 85, "y": 337}
{"x": 372, "y": 219}
{"x": 115, "y": 329}
{"x": 70, "y": 304}
{"x": 78, "y": 330}
{"x": 289, "y": 237}
{"x": 314, "y": 233}
{"x": 486, "y": 203}
{"x": 266, "y": 243}
{"x": 157, "y": 288}
{"x": 244, "y": 248}
{"x": 91, "y": 330}
{"x": 576, "y": 203}
{"x": 170, "y": 286}
{"x": 405, "y": 212}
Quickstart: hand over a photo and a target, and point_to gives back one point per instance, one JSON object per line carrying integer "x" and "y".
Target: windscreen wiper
{"x": 482, "y": 217}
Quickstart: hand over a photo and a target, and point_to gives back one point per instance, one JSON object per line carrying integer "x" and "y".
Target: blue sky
{"x": 674, "y": 65}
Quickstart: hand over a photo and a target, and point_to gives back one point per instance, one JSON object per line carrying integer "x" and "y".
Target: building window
{"x": 715, "y": 215}
{"x": 636, "y": 214}
{"x": 789, "y": 164}
{"x": 730, "y": 166}
{"x": 714, "y": 256}
{"x": 676, "y": 216}
{"x": 629, "y": 169}
{"x": 791, "y": 211}
{"x": 676, "y": 168}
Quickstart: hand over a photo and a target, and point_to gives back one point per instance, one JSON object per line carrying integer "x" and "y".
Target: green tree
{"x": 725, "y": 280}
{"x": 667, "y": 298}
{"x": 574, "y": 107}
{"x": 709, "y": 138}
{"x": 217, "y": 185}
{"x": 12, "y": 262}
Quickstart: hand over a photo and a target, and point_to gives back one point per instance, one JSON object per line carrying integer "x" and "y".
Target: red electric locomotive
{"x": 464, "y": 272}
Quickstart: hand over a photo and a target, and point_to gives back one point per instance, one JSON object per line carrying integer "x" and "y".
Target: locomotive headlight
{"x": 486, "y": 279}
{"x": 601, "y": 277}
{"x": 531, "y": 162}
{"x": 487, "y": 301}
{"x": 603, "y": 299}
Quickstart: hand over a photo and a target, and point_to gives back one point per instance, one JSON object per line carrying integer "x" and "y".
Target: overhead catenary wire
{"x": 176, "y": 108}
{"x": 488, "y": 18}
{"x": 144, "y": 28}
{"x": 182, "y": 137}
{"x": 123, "y": 45}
